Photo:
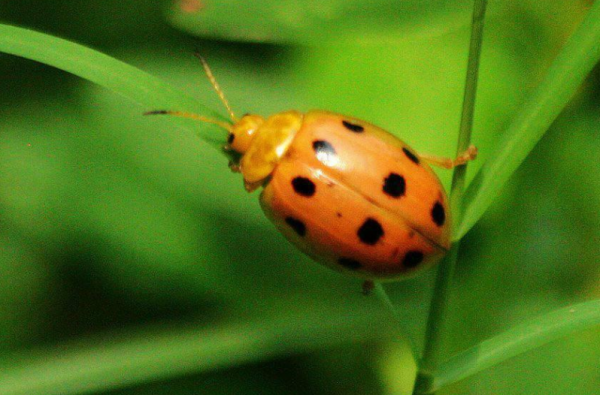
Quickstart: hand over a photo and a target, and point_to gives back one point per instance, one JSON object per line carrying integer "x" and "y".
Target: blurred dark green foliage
{"x": 111, "y": 222}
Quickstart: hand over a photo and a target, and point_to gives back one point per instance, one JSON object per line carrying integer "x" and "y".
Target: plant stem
{"x": 443, "y": 285}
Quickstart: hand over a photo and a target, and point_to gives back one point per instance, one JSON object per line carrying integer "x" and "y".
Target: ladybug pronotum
{"x": 345, "y": 192}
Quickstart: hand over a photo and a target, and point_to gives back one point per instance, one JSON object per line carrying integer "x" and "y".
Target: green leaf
{"x": 565, "y": 75}
{"x": 326, "y": 21}
{"x": 110, "y": 73}
{"x": 117, "y": 360}
{"x": 518, "y": 340}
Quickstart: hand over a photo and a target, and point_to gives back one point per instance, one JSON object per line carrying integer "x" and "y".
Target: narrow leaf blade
{"x": 518, "y": 340}
{"x": 328, "y": 21}
{"x": 110, "y": 73}
{"x": 565, "y": 75}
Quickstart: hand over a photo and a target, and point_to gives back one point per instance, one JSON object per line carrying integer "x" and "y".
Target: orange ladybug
{"x": 345, "y": 192}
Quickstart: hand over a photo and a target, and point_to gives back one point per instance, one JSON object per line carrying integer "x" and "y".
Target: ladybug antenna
{"x": 190, "y": 115}
{"x": 216, "y": 86}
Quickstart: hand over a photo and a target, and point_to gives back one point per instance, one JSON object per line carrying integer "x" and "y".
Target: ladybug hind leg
{"x": 448, "y": 163}
{"x": 367, "y": 287}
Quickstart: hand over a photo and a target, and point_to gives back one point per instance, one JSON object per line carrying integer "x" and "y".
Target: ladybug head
{"x": 242, "y": 132}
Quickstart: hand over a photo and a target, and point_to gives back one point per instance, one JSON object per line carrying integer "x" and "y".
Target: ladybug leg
{"x": 235, "y": 167}
{"x": 367, "y": 287}
{"x": 447, "y": 163}
{"x": 252, "y": 186}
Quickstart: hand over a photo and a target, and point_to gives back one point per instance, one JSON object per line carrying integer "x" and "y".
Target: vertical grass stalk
{"x": 443, "y": 284}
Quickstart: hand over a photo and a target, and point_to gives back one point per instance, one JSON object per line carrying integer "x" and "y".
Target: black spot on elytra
{"x": 338, "y": 214}
{"x": 394, "y": 185}
{"x": 412, "y": 259}
{"x": 230, "y": 138}
{"x": 304, "y": 186}
{"x": 297, "y": 225}
{"x": 370, "y": 231}
{"x": 350, "y": 263}
{"x": 410, "y": 155}
{"x": 325, "y": 152}
{"x": 353, "y": 127}
{"x": 438, "y": 214}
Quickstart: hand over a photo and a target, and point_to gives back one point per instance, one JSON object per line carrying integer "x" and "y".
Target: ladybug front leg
{"x": 447, "y": 163}
{"x": 235, "y": 167}
{"x": 253, "y": 186}
{"x": 249, "y": 186}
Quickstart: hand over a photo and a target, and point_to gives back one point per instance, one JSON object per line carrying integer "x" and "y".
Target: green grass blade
{"x": 329, "y": 21}
{"x": 116, "y": 361}
{"x": 518, "y": 340}
{"x": 149, "y": 91}
{"x": 565, "y": 75}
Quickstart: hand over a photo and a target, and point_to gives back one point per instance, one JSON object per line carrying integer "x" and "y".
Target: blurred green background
{"x": 114, "y": 225}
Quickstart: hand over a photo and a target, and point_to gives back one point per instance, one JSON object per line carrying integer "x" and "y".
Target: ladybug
{"x": 345, "y": 192}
